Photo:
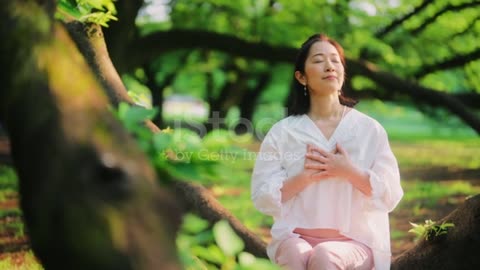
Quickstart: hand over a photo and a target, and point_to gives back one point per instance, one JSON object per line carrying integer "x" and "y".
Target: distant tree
{"x": 420, "y": 57}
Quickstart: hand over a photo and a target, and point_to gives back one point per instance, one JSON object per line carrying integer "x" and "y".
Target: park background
{"x": 219, "y": 72}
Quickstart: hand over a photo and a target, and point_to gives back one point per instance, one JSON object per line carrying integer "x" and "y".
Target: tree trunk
{"x": 249, "y": 101}
{"x": 91, "y": 43}
{"x": 89, "y": 196}
{"x": 458, "y": 249}
{"x": 120, "y": 34}
{"x": 190, "y": 194}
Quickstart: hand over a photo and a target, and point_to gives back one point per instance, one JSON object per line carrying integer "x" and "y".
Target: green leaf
{"x": 193, "y": 224}
{"x": 247, "y": 261}
{"x": 162, "y": 140}
{"x": 211, "y": 253}
{"x": 226, "y": 238}
{"x": 135, "y": 115}
{"x": 68, "y": 8}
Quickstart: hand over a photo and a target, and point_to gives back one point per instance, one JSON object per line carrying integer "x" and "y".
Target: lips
{"x": 330, "y": 77}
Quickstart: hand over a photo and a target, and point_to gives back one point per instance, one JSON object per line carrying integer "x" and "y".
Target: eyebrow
{"x": 322, "y": 54}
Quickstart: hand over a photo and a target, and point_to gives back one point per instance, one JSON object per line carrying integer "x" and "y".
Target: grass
{"x": 12, "y": 230}
{"x": 438, "y": 152}
{"x": 24, "y": 260}
{"x": 422, "y": 198}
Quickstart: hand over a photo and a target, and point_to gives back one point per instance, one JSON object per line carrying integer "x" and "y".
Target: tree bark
{"x": 458, "y": 249}
{"x": 89, "y": 196}
{"x": 190, "y": 193}
{"x": 91, "y": 43}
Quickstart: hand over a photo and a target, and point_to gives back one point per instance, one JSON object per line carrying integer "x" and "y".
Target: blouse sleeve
{"x": 267, "y": 178}
{"x": 384, "y": 176}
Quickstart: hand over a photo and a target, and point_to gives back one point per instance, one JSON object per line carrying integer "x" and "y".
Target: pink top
{"x": 333, "y": 203}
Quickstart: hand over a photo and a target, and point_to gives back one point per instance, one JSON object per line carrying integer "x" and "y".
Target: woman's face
{"x": 324, "y": 72}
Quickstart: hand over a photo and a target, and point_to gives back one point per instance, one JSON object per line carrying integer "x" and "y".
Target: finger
{"x": 309, "y": 148}
{"x": 317, "y": 166}
{"x": 318, "y": 158}
{"x": 340, "y": 149}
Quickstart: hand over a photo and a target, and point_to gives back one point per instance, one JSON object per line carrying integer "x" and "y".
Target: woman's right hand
{"x": 299, "y": 182}
{"x": 313, "y": 174}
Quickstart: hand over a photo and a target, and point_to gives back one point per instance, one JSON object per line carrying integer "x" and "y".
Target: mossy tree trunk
{"x": 89, "y": 196}
{"x": 192, "y": 197}
{"x": 457, "y": 249}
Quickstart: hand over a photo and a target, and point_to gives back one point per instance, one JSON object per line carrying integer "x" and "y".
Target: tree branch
{"x": 90, "y": 41}
{"x": 417, "y": 92}
{"x": 449, "y": 7}
{"x": 397, "y": 22}
{"x": 200, "y": 201}
{"x": 452, "y": 62}
{"x": 155, "y": 44}
{"x": 174, "y": 39}
{"x": 467, "y": 29}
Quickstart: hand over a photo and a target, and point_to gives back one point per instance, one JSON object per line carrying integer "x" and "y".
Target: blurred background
{"x": 413, "y": 65}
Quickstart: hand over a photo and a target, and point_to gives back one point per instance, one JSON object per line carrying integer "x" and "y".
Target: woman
{"x": 326, "y": 173}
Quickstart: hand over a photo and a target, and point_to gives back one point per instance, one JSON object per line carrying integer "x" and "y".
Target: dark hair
{"x": 298, "y": 102}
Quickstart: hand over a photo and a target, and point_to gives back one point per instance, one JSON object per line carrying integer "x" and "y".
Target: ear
{"x": 300, "y": 78}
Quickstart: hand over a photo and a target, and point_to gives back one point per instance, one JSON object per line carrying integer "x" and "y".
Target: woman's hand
{"x": 321, "y": 164}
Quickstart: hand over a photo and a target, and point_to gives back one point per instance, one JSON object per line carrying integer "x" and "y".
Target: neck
{"x": 325, "y": 107}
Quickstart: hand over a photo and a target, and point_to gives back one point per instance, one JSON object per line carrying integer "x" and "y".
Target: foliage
{"x": 183, "y": 155}
{"x": 426, "y": 42}
{"x": 180, "y": 153}
{"x": 12, "y": 227}
{"x": 91, "y": 11}
{"x": 217, "y": 247}
{"x": 430, "y": 229}
{"x": 23, "y": 260}
{"x": 356, "y": 24}
{"x": 232, "y": 190}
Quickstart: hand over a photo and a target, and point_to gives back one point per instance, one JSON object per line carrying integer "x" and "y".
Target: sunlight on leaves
{"x": 226, "y": 238}
{"x": 430, "y": 229}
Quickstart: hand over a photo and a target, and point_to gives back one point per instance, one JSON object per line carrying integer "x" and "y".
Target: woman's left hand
{"x": 331, "y": 164}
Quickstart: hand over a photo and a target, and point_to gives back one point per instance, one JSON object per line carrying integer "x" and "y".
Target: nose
{"x": 329, "y": 66}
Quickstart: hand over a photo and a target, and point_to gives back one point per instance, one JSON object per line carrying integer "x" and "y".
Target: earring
{"x": 305, "y": 90}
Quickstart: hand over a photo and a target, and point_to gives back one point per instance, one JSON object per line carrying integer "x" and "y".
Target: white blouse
{"x": 332, "y": 203}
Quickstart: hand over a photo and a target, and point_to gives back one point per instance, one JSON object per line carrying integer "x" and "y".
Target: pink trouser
{"x": 323, "y": 253}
